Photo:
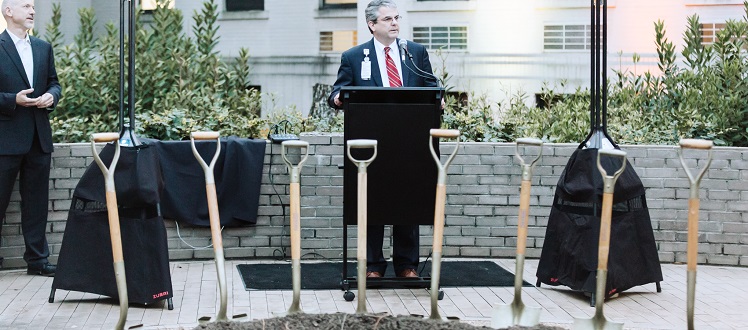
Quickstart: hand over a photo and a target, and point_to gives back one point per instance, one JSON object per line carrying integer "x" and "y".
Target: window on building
{"x": 149, "y": 5}
{"x": 337, "y": 41}
{"x": 709, "y": 32}
{"x": 245, "y": 5}
{"x": 567, "y": 37}
{"x": 442, "y": 37}
{"x": 339, "y": 3}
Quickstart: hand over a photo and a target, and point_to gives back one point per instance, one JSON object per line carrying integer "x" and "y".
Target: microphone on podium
{"x": 403, "y": 45}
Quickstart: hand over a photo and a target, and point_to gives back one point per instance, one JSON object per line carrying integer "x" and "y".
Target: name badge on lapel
{"x": 366, "y": 66}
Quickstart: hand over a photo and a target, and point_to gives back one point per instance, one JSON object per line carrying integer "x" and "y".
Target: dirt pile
{"x": 352, "y": 322}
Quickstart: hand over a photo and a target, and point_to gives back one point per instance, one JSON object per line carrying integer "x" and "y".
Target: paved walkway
{"x": 722, "y": 299}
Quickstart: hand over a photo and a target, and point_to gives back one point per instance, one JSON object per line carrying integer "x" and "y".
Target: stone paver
{"x": 720, "y": 304}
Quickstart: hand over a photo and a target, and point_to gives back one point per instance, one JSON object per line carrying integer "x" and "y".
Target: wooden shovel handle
{"x": 361, "y": 215}
{"x": 604, "y": 243}
{"x": 441, "y": 198}
{"x": 114, "y": 227}
{"x": 104, "y": 137}
{"x": 524, "y": 209}
{"x": 295, "y": 222}
{"x": 205, "y": 135}
{"x": 692, "y": 249}
{"x": 214, "y": 217}
{"x": 696, "y": 144}
{"x": 444, "y": 133}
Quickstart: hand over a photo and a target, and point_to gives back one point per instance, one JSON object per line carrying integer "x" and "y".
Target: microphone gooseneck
{"x": 403, "y": 45}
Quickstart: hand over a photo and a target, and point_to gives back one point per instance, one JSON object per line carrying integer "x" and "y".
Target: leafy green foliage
{"x": 704, "y": 97}
{"x": 181, "y": 83}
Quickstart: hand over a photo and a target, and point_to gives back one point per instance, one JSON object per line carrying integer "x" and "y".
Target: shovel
{"x": 113, "y": 212}
{"x": 295, "y": 221}
{"x": 361, "y": 217}
{"x": 215, "y": 222}
{"x": 693, "y": 218}
{"x": 516, "y": 313}
{"x": 441, "y": 198}
{"x": 598, "y": 321}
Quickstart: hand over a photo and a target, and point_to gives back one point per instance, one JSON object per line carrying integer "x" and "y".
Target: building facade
{"x": 496, "y": 47}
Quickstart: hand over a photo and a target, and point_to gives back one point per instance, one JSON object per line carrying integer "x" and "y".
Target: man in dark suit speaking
{"x": 379, "y": 62}
{"x": 28, "y": 92}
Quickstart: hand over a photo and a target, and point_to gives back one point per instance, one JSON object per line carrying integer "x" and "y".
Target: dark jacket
{"x": 349, "y": 73}
{"x": 17, "y": 123}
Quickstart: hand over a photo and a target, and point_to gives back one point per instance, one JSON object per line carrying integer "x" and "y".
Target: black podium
{"x": 402, "y": 178}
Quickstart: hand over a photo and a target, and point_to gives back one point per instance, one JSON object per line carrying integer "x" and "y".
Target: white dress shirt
{"x": 23, "y": 46}
{"x": 382, "y": 61}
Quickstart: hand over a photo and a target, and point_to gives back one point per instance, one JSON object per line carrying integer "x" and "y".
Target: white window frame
{"x": 569, "y": 37}
{"x": 427, "y": 41}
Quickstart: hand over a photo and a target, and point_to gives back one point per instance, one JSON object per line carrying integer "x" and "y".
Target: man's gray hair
{"x": 372, "y": 10}
{"x": 6, "y": 4}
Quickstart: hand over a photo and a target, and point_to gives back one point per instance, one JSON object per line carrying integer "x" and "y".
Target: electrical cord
{"x": 190, "y": 245}
{"x": 423, "y": 264}
{"x": 282, "y": 250}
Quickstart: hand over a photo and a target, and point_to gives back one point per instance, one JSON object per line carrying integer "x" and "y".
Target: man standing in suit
{"x": 28, "y": 92}
{"x": 378, "y": 62}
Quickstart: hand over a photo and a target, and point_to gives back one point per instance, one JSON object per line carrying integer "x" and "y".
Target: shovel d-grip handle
{"x": 361, "y": 164}
{"x": 699, "y": 145}
{"x": 294, "y": 170}
{"x": 102, "y": 138}
{"x": 208, "y": 169}
{"x": 443, "y": 133}
{"x": 692, "y": 249}
{"x": 113, "y": 216}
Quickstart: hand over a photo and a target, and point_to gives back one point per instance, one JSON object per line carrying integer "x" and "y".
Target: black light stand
{"x": 127, "y": 130}
{"x": 598, "y": 78}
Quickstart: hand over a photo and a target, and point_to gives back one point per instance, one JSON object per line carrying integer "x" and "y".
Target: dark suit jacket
{"x": 17, "y": 123}
{"x": 349, "y": 73}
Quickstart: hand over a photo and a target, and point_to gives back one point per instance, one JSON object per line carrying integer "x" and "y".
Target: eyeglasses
{"x": 388, "y": 19}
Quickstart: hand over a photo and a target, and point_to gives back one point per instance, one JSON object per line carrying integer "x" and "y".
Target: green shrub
{"x": 705, "y": 98}
{"x": 181, "y": 84}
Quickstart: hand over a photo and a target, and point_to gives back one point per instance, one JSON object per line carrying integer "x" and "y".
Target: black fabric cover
{"x": 569, "y": 255}
{"x": 137, "y": 177}
{"x": 238, "y": 174}
{"x": 85, "y": 262}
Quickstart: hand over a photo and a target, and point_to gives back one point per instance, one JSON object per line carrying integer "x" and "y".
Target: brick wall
{"x": 481, "y": 212}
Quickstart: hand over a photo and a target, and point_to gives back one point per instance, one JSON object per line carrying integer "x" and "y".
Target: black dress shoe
{"x": 43, "y": 270}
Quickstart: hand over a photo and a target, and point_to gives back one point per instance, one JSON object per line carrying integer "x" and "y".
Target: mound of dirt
{"x": 352, "y": 321}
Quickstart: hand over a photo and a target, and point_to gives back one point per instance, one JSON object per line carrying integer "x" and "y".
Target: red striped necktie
{"x": 392, "y": 73}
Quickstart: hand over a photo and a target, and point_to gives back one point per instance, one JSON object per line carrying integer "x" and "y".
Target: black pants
{"x": 34, "y": 188}
{"x": 405, "y": 248}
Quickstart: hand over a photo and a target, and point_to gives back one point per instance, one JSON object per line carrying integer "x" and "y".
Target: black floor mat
{"x": 328, "y": 275}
